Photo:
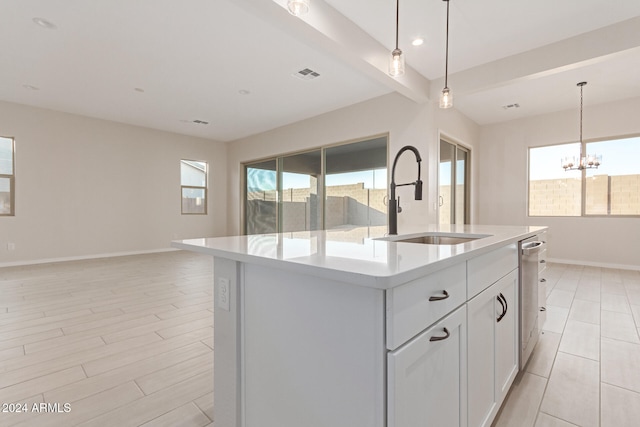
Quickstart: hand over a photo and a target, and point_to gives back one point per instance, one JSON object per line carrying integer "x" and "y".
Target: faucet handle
{"x": 399, "y": 207}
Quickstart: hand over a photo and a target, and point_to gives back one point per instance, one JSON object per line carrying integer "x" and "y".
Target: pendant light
{"x": 446, "y": 97}
{"x": 298, "y": 7}
{"x": 396, "y": 64}
{"x": 581, "y": 162}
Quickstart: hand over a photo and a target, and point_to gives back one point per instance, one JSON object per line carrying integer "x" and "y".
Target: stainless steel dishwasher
{"x": 528, "y": 261}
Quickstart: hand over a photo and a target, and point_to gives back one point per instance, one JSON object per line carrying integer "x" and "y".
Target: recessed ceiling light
{"x": 417, "y": 41}
{"x": 31, "y": 87}
{"x": 44, "y": 23}
{"x": 244, "y": 92}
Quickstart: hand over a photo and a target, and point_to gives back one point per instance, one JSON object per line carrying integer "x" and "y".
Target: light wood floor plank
{"x": 92, "y": 385}
{"x": 186, "y": 415}
{"x": 28, "y": 339}
{"x": 41, "y": 384}
{"x": 86, "y": 409}
{"x": 29, "y": 372}
{"x": 205, "y": 403}
{"x": 167, "y": 377}
{"x": 84, "y": 332}
{"x": 104, "y": 364}
{"x": 156, "y": 326}
{"x": 154, "y": 405}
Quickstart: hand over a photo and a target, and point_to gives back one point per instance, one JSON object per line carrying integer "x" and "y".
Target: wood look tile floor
{"x": 124, "y": 341}
{"x": 585, "y": 370}
{"x": 128, "y": 341}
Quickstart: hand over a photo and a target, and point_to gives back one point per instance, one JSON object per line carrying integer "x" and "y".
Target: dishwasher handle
{"x": 532, "y": 247}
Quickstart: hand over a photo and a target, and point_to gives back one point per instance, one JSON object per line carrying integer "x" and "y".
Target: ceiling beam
{"x": 574, "y": 52}
{"x": 328, "y": 30}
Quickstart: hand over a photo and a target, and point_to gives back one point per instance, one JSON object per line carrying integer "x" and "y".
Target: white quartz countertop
{"x": 356, "y": 255}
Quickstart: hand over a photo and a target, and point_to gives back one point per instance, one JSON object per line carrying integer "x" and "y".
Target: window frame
{"x": 11, "y": 177}
{"x": 322, "y": 188}
{"x": 467, "y": 181}
{"x": 583, "y": 179}
{"x": 195, "y": 187}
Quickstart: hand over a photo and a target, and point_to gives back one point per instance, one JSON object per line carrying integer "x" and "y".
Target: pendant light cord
{"x": 446, "y": 60}
{"x": 397, "y": 20}
{"x": 581, "y": 119}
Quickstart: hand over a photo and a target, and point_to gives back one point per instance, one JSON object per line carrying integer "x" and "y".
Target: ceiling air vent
{"x": 200, "y": 122}
{"x": 306, "y": 74}
{"x": 510, "y": 106}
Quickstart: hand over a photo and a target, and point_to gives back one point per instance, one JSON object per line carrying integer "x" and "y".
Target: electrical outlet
{"x": 11, "y": 246}
{"x": 223, "y": 293}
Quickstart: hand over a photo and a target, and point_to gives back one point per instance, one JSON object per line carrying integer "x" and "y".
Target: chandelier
{"x": 590, "y": 161}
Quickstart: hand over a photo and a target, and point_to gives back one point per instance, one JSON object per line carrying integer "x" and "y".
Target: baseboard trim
{"x": 83, "y": 257}
{"x": 594, "y": 264}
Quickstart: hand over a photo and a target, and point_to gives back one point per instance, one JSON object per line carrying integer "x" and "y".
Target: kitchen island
{"x": 351, "y": 328}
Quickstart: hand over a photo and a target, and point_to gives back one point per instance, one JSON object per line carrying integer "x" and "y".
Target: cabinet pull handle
{"x": 542, "y": 261}
{"x": 543, "y": 280}
{"x": 506, "y": 305}
{"x": 440, "y": 298}
{"x": 441, "y": 338}
{"x": 503, "y": 302}
{"x": 543, "y": 308}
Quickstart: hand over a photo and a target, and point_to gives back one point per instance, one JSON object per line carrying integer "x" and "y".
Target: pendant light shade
{"x": 298, "y": 7}
{"x": 446, "y": 97}
{"x": 396, "y": 63}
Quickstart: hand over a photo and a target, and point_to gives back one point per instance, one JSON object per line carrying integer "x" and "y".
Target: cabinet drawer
{"x": 414, "y": 306}
{"x": 487, "y": 269}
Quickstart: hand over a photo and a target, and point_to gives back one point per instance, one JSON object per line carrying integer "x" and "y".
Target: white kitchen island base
{"x": 330, "y": 337}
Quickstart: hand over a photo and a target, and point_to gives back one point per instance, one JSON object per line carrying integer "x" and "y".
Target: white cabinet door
{"x": 427, "y": 377}
{"x": 482, "y": 314}
{"x": 506, "y": 345}
{"x": 493, "y": 348}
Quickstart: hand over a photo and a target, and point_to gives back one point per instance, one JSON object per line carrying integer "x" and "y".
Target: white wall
{"x": 502, "y": 183}
{"x": 86, "y": 187}
{"x": 406, "y": 122}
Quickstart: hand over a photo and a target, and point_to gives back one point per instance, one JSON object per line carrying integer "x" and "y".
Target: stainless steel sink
{"x": 438, "y": 240}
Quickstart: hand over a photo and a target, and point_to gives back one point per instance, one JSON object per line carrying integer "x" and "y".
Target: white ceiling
{"x": 192, "y": 58}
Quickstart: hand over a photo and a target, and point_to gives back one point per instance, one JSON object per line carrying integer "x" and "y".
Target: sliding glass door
{"x": 300, "y": 207}
{"x": 453, "y": 189}
{"x": 261, "y": 197}
{"x": 356, "y": 184}
{"x": 341, "y": 186}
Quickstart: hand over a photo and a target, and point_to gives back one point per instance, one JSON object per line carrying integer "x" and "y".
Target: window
{"x": 7, "y": 176}
{"x": 341, "y": 186}
{"x": 193, "y": 178}
{"x": 611, "y": 190}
